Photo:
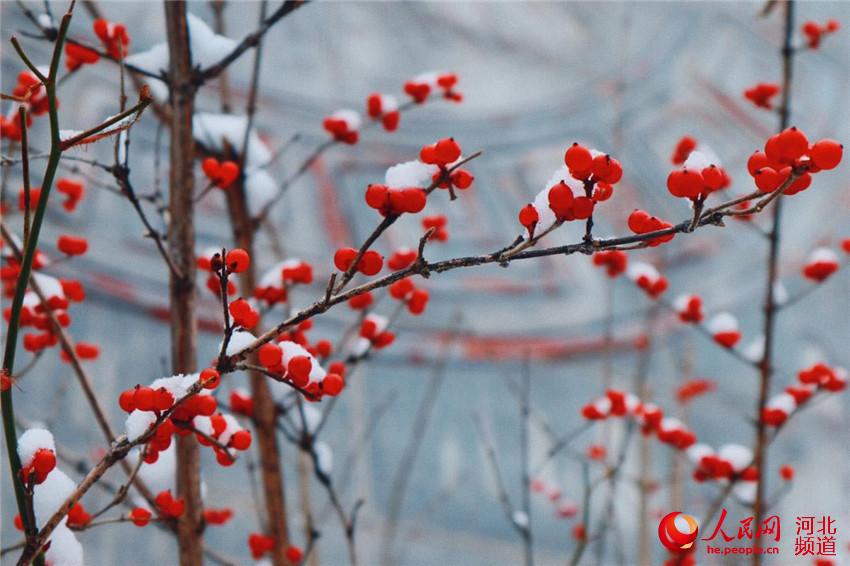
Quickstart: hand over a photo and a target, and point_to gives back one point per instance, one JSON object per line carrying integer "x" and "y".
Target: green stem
{"x": 8, "y": 411}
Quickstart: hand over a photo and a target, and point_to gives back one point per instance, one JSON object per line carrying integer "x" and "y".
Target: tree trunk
{"x": 181, "y": 241}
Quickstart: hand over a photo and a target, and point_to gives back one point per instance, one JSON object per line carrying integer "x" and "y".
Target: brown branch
{"x": 713, "y": 216}
{"x": 251, "y": 40}
{"x": 182, "y": 298}
{"x": 770, "y": 308}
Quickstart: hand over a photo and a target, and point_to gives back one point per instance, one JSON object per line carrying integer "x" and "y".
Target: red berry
{"x": 240, "y": 308}
{"x": 299, "y": 368}
{"x": 638, "y": 221}
{"x": 578, "y": 158}
{"x": 756, "y": 161}
{"x": 332, "y": 384}
{"x": 72, "y": 245}
{"x": 343, "y": 258}
{"x": 371, "y": 263}
{"x": 210, "y": 378}
{"x": 294, "y": 554}
{"x": 270, "y": 355}
{"x": 413, "y": 200}
{"x": 237, "y": 260}
{"x": 377, "y": 196}
{"x": 127, "y": 401}
{"x": 560, "y": 200}
{"x": 140, "y": 516}
{"x": 793, "y": 143}
{"x": 447, "y": 151}
{"x": 767, "y": 179}
{"x": 529, "y": 217}
{"x": 826, "y": 154}
{"x": 241, "y": 439}
{"x": 462, "y": 179}
{"x": 144, "y": 399}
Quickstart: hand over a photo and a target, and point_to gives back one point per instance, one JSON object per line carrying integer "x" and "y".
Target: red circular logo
{"x": 678, "y": 532}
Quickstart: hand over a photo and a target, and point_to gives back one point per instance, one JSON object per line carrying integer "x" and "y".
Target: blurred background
{"x": 627, "y": 78}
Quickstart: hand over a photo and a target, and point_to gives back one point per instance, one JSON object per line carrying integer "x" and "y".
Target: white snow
{"x": 699, "y": 159}
{"x": 520, "y": 519}
{"x": 780, "y": 293}
{"x": 239, "y": 340}
{"x": 65, "y": 549}
{"x": 784, "y": 402}
{"x": 723, "y": 322}
{"x": 409, "y": 174}
{"x": 208, "y": 48}
{"x": 261, "y": 189}
{"x": 823, "y": 255}
{"x": 32, "y": 441}
{"x": 49, "y": 495}
{"x": 211, "y": 129}
{"x": 159, "y": 476}
{"x": 755, "y": 349}
{"x": 697, "y": 452}
{"x": 736, "y": 454}
{"x": 50, "y": 286}
{"x": 231, "y": 428}
{"x": 638, "y": 269}
{"x": 138, "y": 423}
{"x": 324, "y": 457}
{"x": 350, "y": 117}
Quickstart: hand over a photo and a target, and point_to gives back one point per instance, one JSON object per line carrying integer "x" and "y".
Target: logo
{"x": 678, "y": 532}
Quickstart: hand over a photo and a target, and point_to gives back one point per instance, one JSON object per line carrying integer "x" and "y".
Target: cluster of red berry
{"x": 818, "y": 377}
{"x": 221, "y": 174}
{"x": 762, "y": 94}
{"x": 814, "y": 32}
{"x": 648, "y": 416}
{"x": 790, "y": 153}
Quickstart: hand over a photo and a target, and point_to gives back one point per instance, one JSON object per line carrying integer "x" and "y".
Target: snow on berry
{"x": 700, "y": 175}
{"x": 272, "y": 287}
{"x": 648, "y": 278}
{"x": 724, "y": 328}
{"x": 420, "y": 87}
{"x": 383, "y": 107}
{"x": 37, "y": 452}
{"x": 689, "y": 308}
{"x": 777, "y": 409}
{"x": 373, "y": 334}
{"x": 822, "y": 263}
{"x": 343, "y": 126}
{"x": 295, "y": 363}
